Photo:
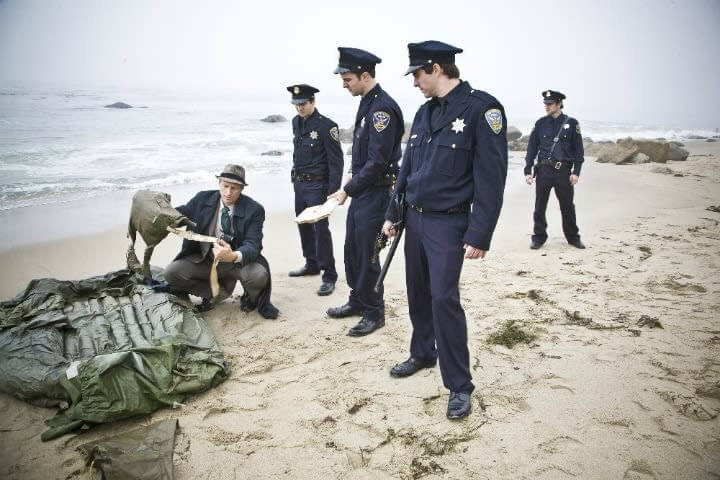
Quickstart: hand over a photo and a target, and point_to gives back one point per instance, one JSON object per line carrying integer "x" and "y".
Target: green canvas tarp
{"x": 141, "y": 454}
{"x": 103, "y": 349}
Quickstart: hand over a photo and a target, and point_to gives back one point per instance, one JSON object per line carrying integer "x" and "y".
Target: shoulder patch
{"x": 494, "y": 119}
{"x": 335, "y": 134}
{"x": 380, "y": 120}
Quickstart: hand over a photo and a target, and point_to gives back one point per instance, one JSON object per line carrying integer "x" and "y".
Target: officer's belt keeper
{"x": 464, "y": 208}
{"x": 385, "y": 180}
{"x": 307, "y": 177}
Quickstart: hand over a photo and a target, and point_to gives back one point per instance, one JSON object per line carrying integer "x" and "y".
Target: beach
{"x": 620, "y": 381}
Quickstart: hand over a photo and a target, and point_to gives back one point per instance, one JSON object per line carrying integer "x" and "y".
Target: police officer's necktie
{"x": 225, "y": 220}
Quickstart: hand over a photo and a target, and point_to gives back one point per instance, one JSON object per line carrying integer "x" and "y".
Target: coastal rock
{"x": 611, "y": 153}
{"x": 519, "y": 145}
{"x": 272, "y": 153}
{"x": 677, "y": 153}
{"x": 679, "y": 144}
{"x": 274, "y": 119}
{"x": 710, "y": 140}
{"x": 695, "y": 137}
{"x": 640, "y": 157}
{"x": 118, "y": 105}
{"x": 657, "y": 151}
{"x": 346, "y": 134}
{"x": 513, "y": 133}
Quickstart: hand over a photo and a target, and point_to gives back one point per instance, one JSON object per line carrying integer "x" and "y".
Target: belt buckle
{"x": 558, "y": 165}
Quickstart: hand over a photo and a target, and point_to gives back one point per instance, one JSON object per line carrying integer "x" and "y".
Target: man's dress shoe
{"x": 410, "y": 366}
{"x": 459, "y": 405}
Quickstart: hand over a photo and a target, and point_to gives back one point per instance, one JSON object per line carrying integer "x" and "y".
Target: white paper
{"x": 72, "y": 370}
{"x": 318, "y": 212}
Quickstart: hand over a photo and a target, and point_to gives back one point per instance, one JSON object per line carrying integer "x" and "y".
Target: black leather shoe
{"x": 535, "y": 244}
{"x": 577, "y": 244}
{"x": 343, "y": 311}
{"x": 304, "y": 271}
{"x": 205, "y": 306}
{"x": 366, "y": 327}
{"x": 326, "y": 289}
{"x": 410, "y": 366}
{"x": 459, "y": 405}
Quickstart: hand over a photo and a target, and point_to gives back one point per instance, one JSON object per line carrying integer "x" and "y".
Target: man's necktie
{"x": 225, "y": 221}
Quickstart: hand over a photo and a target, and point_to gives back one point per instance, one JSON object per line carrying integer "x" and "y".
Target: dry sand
{"x": 595, "y": 395}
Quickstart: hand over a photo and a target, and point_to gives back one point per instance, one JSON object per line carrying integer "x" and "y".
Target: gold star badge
{"x": 314, "y": 135}
{"x": 458, "y": 125}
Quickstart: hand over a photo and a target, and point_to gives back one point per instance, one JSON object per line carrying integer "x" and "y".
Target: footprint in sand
{"x": 639, "y": 470}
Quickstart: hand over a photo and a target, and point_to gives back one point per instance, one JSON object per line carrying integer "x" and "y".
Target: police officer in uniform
{"x": 453, "y": 176}
{"x": 317, "y": 171}
{"x": 376, "y": 151}
{"x": 556, "y": 141}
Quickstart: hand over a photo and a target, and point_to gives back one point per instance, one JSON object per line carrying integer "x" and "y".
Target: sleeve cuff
{"x": 239, "y": 256}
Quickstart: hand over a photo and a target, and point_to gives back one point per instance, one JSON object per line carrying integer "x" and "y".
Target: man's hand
{"x": 529, "y": 179}
{"x": 341, "y": 195}
{"x": 223, "y": 252}
{"x": 574, "y": 179}
{"x": 388, "y": 229}
{"x": 471, "y": 253}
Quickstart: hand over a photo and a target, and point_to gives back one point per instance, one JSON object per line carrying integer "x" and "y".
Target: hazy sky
{"x": 653, "y": 62}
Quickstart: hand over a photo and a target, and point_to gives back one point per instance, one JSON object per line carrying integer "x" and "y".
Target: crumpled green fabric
{"x": 141, "y": 454}
{"x": 103, "y": 349}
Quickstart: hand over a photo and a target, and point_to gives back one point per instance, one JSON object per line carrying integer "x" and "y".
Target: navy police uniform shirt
{"x": 457, "y": 157}
{"x": 569, "y": 148}
{"x": 376, "y": 148}
{"x": 317, "y": 149}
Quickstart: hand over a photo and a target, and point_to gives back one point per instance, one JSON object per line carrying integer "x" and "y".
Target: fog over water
{"x": 635, "y": 62}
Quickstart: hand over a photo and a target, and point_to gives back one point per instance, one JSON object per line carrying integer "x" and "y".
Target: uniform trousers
{"x": 365, "y": 217}
{"x": 434, "y": 256}
{"x": 315, "y": 238}
{"x": 549, "y": 178}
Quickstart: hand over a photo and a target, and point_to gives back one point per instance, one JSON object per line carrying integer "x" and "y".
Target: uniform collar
{"x": 454, "y": 95}
{"x": 308, "y": 122}
{"x": 371, "y": 95}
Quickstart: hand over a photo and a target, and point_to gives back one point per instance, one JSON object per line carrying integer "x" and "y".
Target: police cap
{"x": 552, "y": 96}
{"x": 429, "y": 52}
{"x": 355, "y": 60}
{"x": 302, "y": 93}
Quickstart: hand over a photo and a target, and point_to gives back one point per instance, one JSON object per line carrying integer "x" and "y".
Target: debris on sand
{"x": 713, "y": 208}
{"x": 510, "y": 335}
{"x": 650, "y": 322}
{"x": 418, "y": 469}
{"x": 646, "y": 252}
{"x": 358, "y": 405}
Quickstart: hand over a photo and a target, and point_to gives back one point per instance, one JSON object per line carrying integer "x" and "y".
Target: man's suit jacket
{"x": 247, "y": 220}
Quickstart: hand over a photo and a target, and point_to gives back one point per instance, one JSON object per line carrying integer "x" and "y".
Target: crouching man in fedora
{"x": 237, "y": 220}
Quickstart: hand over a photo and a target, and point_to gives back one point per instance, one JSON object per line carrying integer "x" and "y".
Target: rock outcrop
{"x": 118, "y": 105}
{"x": 274, "y": 119}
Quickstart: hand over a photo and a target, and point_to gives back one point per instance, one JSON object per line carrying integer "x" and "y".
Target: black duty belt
{"x": 307, "y": 177}
{"x": 459, "y": 209}
{"x": 554, "y": 163}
